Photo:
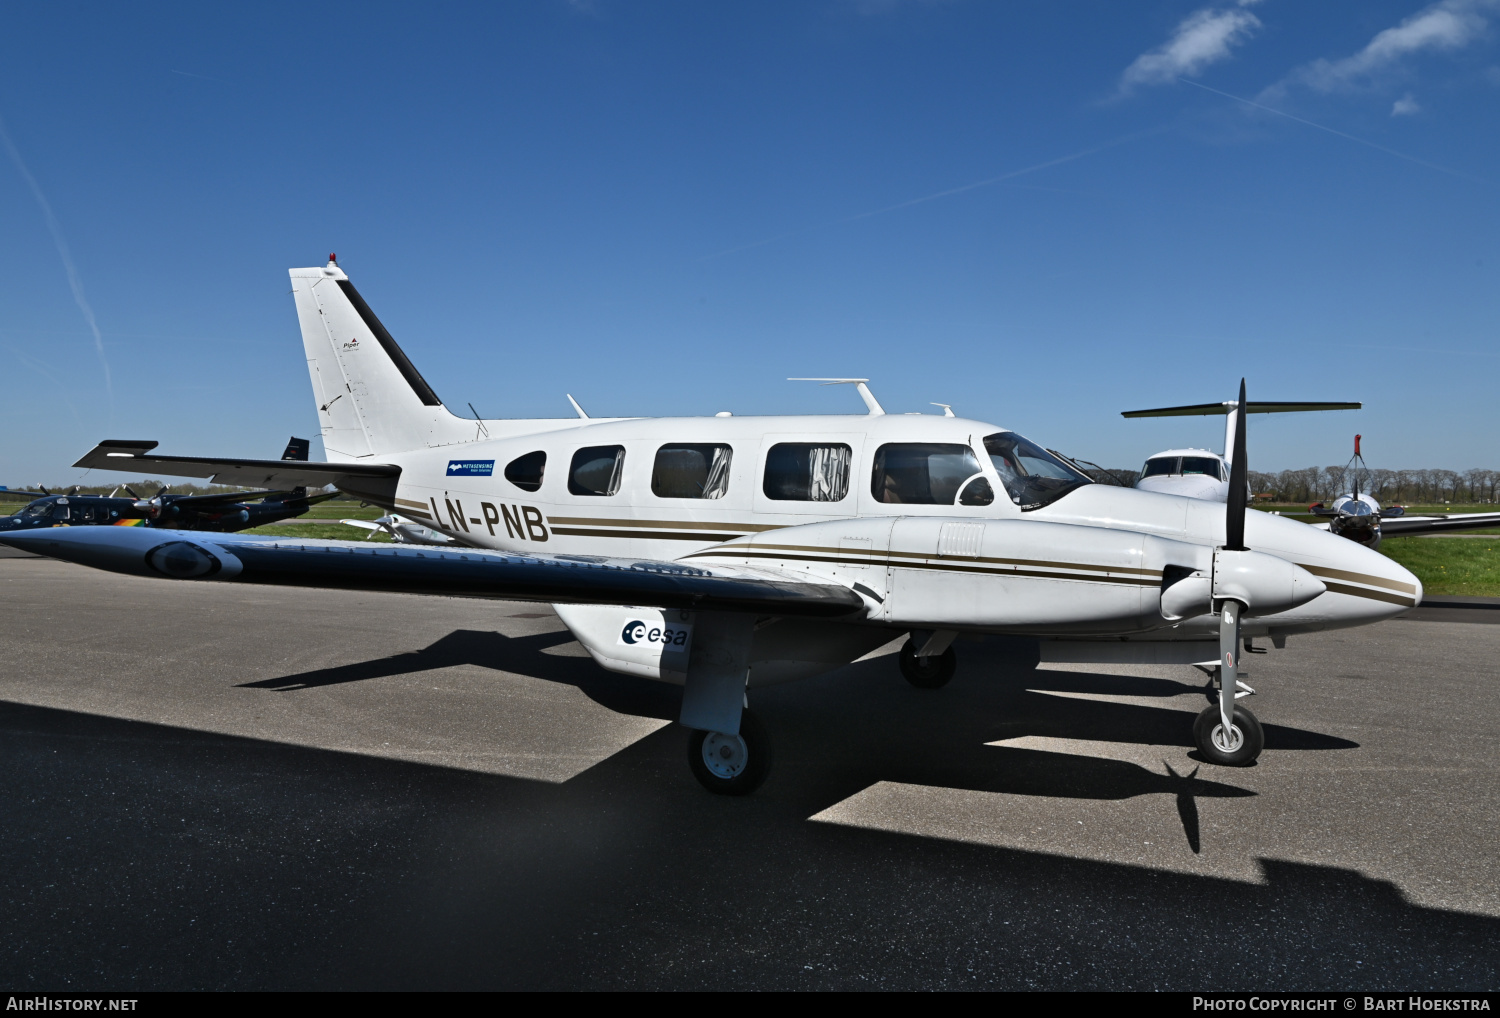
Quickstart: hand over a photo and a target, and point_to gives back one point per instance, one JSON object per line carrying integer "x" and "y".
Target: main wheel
{"x": 1243, "y": 743}
{"x": 927, "y": 672}
{"x": 731, "y": 764}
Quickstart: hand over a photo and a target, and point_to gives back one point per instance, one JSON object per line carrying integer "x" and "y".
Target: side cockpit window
{"x": 807, "y": 472}
{"x": 691, "y": 471}
{"x": 525, "y": 472}
{"x": 596, "y": 470}
{"x": 925, "y": 473}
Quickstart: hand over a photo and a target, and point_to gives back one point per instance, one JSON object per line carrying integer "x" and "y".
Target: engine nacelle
{"x": 1263, "y": 583}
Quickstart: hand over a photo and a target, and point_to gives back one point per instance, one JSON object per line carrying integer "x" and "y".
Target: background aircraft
{"x": 1357, "y": 516}
{"x": 1198, "y": 473}
{"x": 224, "y": 512}
{"x": 400, "y": 529}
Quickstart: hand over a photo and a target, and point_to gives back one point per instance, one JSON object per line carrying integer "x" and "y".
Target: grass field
{"x": 1450, "y": 565}
{"x": 318, "y": 531}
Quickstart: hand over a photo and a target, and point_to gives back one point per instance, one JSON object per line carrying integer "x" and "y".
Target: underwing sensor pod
{"x": 724, "y": 554}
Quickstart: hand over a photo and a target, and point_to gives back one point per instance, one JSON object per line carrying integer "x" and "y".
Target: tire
{"x": 1208, "y": 734}
{"x": 927, "y": 672}
{"x": 731, "y": 764}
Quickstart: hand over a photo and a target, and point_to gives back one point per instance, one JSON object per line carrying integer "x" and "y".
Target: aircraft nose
{"x": 1374, "y": 586}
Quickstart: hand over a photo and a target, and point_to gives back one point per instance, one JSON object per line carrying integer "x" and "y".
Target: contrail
{"x": 61, "y": 243}
{"x": 988, "y": 181}
{"x": 1346, "y": 137}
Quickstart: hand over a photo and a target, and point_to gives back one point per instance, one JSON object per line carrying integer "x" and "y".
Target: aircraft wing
{"x": 1410, "y": 526}
{"x": 122, "y": 455}
{"x": 449, "y": 572}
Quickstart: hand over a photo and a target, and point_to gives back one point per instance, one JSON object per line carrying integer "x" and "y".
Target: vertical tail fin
{"x": 371, "y": 399}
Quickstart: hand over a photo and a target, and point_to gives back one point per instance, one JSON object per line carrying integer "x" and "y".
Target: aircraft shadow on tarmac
{"x": 137, "y": 855}
{"x": 877, "y": 728}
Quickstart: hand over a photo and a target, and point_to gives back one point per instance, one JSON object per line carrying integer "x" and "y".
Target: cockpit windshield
{"x": 1032, "y": 476}
{"x": 36, "y": 510}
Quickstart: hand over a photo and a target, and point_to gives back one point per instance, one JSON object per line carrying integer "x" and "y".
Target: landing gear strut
{"x": 731, "y": 764}
{"x": 1226, "y": 733}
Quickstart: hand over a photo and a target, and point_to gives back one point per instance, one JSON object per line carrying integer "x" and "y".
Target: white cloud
{"x": 1204, "y": 37}
{"x": 1445, "y": 26}
{"x": 1406, "y": 106}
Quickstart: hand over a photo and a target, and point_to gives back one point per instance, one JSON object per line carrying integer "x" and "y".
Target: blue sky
{"x": 1043, "y": 213}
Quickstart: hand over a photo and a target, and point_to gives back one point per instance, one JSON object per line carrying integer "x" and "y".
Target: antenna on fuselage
{"x": 947, "y": 409}
{"x": 576, "y": 407}
{"x": 480, "y": 422}
{"x": 865, "y": 394}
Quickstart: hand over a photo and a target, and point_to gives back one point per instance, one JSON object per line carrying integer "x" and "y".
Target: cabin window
{"x": 976, "y": 492}
{"x": 596, "y": 470}
{"x": 1032, "y": 476}
{"x": 525, "y": 472}
{"x": 807, "y": 472}
{"x": 1160, "y": 466}
{"x": 921, "y": 473}
{"x": 1201, "y": 465}
{"x": 691, "y": 471}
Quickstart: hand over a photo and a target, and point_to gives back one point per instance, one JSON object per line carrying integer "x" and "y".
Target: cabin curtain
{"x": 717, "y": 484}
{"x": 828, "y": 468}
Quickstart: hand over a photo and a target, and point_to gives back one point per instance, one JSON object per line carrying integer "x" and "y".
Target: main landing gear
{"x": 731, "y": 764}
{"x": 931, "y": 671}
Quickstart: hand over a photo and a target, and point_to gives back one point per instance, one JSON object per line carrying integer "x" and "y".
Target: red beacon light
{"x": 333, "y": 259}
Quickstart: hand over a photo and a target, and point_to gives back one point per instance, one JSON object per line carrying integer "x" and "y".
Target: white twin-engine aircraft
{"x": 1198, "y": 473}
{"x": 721, "y": 553}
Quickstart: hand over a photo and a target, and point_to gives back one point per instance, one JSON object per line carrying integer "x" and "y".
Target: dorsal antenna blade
{"x": 871, "y": 403}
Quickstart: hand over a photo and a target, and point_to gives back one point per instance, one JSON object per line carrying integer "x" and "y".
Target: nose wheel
{"x": 731, "y": 764}
{"x": 1238, "y": 747}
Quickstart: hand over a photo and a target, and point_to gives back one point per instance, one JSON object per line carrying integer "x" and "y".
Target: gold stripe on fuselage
{"x": 1374, "y": 581}
{"x": 1088, "y": 572}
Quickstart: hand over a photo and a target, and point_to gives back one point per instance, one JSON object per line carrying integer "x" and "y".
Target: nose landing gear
{"x": 1239, "y": 747}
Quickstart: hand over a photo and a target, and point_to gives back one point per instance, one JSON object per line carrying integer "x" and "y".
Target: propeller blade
{"x": 1234, "y": 521}
{"x": 132, "y": 492}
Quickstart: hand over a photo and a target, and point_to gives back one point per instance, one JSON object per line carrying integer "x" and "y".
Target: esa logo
{"x": 663, "y": 636}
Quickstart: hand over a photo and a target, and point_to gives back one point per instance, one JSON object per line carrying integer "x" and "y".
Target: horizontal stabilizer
{"x": 1209, "y": 409}
{"x": 137, "y": 456}
{"x": 564, "y": 579}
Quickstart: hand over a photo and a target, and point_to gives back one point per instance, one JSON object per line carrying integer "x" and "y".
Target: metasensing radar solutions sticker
{"x": 471, "y": 468}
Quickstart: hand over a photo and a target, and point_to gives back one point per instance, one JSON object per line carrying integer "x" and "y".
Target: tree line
{"x": 1390, "y": 487}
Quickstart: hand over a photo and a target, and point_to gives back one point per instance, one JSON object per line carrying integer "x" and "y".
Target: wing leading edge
{"x": 1411, "y": 526}
{"x": 564, "y": 579}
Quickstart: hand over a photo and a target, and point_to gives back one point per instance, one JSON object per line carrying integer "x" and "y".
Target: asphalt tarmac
{"x": 216, "y": 786}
